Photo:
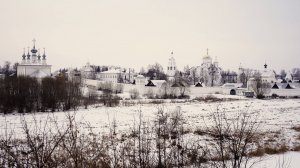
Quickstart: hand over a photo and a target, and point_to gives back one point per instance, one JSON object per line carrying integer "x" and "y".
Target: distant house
{"x": 74, "y": 75}
{"x": 155, "y": 83}
{"x": 140, "y": 80}
{"x": 232, "y": 88}
{"x": 116, "y": 75}
{"x": 112, "y": 76}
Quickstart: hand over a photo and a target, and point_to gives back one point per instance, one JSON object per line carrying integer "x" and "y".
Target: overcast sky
{"x": 135, "y": 33}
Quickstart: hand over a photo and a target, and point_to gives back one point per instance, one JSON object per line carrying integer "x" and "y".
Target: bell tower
{"x": 171, "y": 69}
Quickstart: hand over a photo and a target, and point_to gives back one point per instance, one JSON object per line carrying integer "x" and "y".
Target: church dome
{"x": 34, "y": 51}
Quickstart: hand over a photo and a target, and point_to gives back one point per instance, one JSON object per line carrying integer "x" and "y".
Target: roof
{"x": 275, "y": 86}
{"x": 157, "y": 83}
{"x": 267, "y": 73}
{"x": 286, "y": 85}
{"x": 112, "y": 71}
{"x": 232, "y": 85}
{"x": 198, "y": 85}
{"x": 140, "y": 76}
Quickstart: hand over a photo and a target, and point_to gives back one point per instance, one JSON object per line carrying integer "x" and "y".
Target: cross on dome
{"x": 34, "y": 41}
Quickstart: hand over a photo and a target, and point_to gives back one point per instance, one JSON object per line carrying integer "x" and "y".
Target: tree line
{"x": 27, "y": 94}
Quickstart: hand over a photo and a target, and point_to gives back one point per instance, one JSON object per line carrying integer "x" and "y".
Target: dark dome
{"x": 34, "y": 50}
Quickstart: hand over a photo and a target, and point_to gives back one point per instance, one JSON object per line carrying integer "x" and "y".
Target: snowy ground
{"x": 286, "y": 160}
{"x": 276, "y": 115}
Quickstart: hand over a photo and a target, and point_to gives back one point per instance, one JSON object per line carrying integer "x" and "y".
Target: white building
{"x": 34, "y": 65}
{"x": 116, "y": 76}
{"x": 140, "y": 80}
{"x": 87, "y": 71}
{"x": 232, "y": 88}
{"x": 171, "y": 68}
{"x": 109, "y": 76}
{"x": 268, "y": 75}
{"x": 209, "y": 72}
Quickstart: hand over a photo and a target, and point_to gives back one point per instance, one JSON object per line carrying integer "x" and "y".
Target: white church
{"x": 33, "y": 64}
{"x": 171, "y": 68}
{"x": 209, "y": 72}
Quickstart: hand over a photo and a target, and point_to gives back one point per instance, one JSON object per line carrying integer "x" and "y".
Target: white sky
{"x": 135, "y": 33}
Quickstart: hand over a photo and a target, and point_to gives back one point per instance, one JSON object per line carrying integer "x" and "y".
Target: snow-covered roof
{"x": 286, "y": 85}
{"x": 140, "y": 76}
{"x": 267, "y": 73}
{"x": 157, "y": 83}
{"x": 112, "y": 71}
{"x": 232, "y": 85}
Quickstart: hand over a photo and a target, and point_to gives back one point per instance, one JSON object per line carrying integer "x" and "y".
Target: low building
{"x": 140, "y": 80}
{"x": 233, "y": 88}
{"x": 112, "y": 76}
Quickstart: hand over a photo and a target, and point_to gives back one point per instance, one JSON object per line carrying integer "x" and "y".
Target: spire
{"x": 23, "y": 56}
{"x": 33, "y": 43}
{"x": 172, "y": 54}
{"x": 265, "y": 65}
{"x": 28, "y": 55}
{"x": 39, "y": 56}
{"x": 34, "y": 51}
{"x": 44, "y": 55}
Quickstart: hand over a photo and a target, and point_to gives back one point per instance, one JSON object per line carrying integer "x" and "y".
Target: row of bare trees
{"x": 27, "y": 94}
{"x": 162, "y": 142}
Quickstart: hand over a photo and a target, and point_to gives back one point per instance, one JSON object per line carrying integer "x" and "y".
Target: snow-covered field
{"x": 276, "y": 116}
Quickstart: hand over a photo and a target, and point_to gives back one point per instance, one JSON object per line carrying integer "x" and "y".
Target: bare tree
{"x": 234, "y": 138}
{"x": 260, "y": 87}
{"x": 282, "y": 74}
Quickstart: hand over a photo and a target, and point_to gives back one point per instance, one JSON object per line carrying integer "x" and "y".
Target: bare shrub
{"x": 118, "y": 88}
{"x": 50, "y": 144}
{"x": 134, "y": 94}
{"x": 296, "y": 128}
{"x": 260, "y": 87}
{"x": 234, "y": 137}
{"x": 282, "y": 148}
{"x": 149, "y": 94}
